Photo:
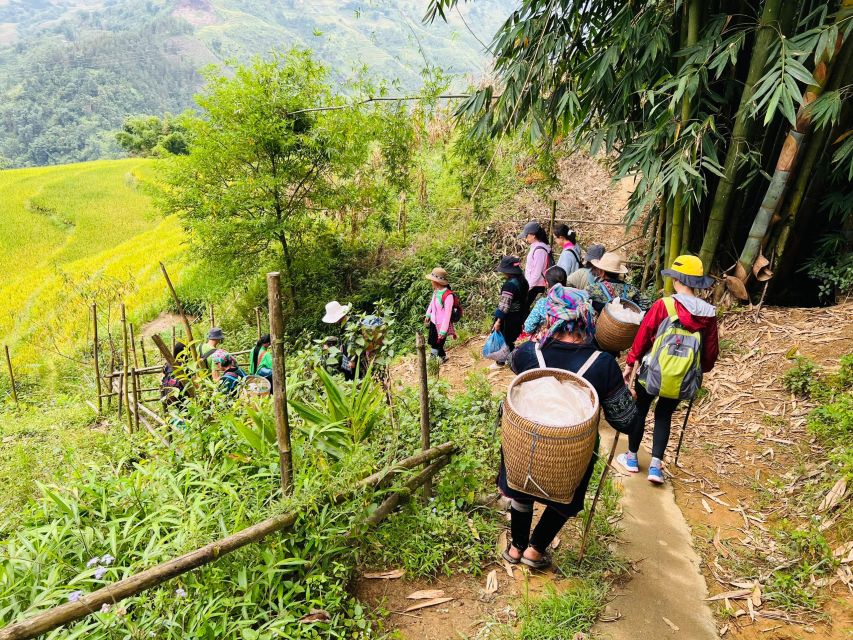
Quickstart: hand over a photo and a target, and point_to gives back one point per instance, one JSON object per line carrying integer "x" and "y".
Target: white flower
{"x": 74, "y": 596}
{"x": 180, "y": 592}
{"x": 107, "y": 560}
{"x": 105, "y": 608}
{"x": 99, "y": 572}
{"x": 92, "y": 562}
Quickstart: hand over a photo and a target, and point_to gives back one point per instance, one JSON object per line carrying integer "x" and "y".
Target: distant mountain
{"x": 72, "y": 70}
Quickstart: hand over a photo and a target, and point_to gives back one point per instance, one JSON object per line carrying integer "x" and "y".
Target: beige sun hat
{"x": 438, "y": 275}
{"x": 335, "y": 311}
{"x": 611, "y": 263}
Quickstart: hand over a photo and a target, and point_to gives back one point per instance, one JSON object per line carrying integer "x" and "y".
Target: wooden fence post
{"x": 258, "y": 320}
{"x": 97, "y": 357}
{"x": 212, "y": 317}
{"x": 125, "y": 365}
{"x": 134, "y": 386}
{"x": 174, "y": 339}
{"x": 142, "y": 348}
{"x": 11, "y": 374}
{"x": 553, "y": 219}
{"x": 424, "y": 396}
{"x": 282, "y": 425}
{"x": 133, "y": 346}
{"x": 202, "y": 363}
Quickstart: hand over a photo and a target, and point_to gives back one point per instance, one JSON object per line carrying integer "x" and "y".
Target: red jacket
{"x": 695, "y": 314}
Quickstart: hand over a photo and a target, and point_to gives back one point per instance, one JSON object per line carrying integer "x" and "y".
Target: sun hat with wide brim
{"x": 610, "y": 263}
{"x": 335, "y": 312}
{"x": 510, "y": 265}
{"x": 689, "y": 270}
{"x": 215, "y": 334}
{"x": 438, "y": 275}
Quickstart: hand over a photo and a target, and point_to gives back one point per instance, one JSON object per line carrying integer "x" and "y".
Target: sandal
{"x": 539, "y": 565}
{"x": 505, "y": 555}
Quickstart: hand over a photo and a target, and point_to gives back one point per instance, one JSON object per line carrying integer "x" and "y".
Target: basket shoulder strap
{"x": 589, "y": 362}
{"x": 540, "y": 358}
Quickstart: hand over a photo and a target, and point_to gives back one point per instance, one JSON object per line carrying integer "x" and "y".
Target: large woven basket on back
{"x": 545, "y": 460}
{"x": 612, "y": 334}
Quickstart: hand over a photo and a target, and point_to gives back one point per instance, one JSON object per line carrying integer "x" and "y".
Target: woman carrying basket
{"x": 567, "y": 345}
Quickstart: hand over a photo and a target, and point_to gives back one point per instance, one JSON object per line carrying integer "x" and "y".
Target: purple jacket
{"x": 537, "y": 262}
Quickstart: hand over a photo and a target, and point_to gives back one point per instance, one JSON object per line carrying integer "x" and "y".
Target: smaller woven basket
{"x": 256, "y": 387}
{"x": 545, "y": 460}
{"x": 614, "y": 335}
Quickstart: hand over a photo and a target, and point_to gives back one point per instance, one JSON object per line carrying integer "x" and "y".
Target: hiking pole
{"x": 588, "y": 524}
{"x": 683, "y": 427}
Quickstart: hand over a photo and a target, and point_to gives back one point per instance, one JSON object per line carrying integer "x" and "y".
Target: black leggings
{"x": 546, "y": 530}
{"x": 664, "y": 409}
{"x": 434, "y": 342}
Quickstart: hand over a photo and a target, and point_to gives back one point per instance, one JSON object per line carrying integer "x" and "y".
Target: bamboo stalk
{"x": 212, "y": 317}
{"x": 72, "y": 611}
{"x": 553, "y": 220}
{"x": 134, "y": 385}
{"x": 202, "y": 363}
{"x": 11, "y": 374}
{"x": 400, "y": 497}
{"x": 282, "y": 424}
{"x": 120, "y": 393}
{"x": 604, "y": 471}
{"x": 424, "y": 399}
{"x": 144, "y": 355}
{"x": 258, "y": 321}
{"x": 96, "y": 353}
{"x": 124, "y": 367}
{"x": 133, "y": 347}
{"x": 112, "y": 367}
{"x": 741, "y": 132}
{"x": 174, "y": 339}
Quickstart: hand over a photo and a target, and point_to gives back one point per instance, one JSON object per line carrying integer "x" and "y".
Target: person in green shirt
{"x": 260, "y": 359}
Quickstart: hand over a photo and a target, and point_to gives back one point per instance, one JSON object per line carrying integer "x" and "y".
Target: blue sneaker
{"x": 655, "y": 475}
{"x": 629, "y": 462}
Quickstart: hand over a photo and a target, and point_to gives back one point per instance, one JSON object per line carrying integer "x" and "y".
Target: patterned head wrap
{"x": 224, "y": 359}
{"x": 569, "y": 310}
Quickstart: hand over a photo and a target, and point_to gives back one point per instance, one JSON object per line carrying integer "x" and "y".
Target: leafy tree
{"x": 260, "y": 163}
{"x": 148, "y": 136}
{"x": 693, "y": 98}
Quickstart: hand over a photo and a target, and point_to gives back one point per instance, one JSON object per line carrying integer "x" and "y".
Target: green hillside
{"x": 68, "y": 233}
{"x": 72, "y": 70}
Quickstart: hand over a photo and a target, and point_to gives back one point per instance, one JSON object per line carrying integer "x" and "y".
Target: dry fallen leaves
{"x": 731, "y": 595}
{"x": 721, "y": 549}
{"x": 834, "y": 496}
{"x": 426, "y": 594}
{"x": 391, "y": 574}
{"x": 670, "y": 623}
{"x": 427, "y": 603}
{"x": 706, "y": 506}
{"x": 316, "y": 615}
{"x": 492, "y": 581}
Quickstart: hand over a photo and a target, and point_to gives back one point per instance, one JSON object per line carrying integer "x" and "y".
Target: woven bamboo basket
{"x": 545, "y": 460}
{"x": 256, "y": 387}
{"x": 614, "y": 335}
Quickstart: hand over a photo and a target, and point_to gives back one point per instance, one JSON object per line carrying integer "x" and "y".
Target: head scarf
{"x": 224, "y": 359}
{"x": 569, "y": 310}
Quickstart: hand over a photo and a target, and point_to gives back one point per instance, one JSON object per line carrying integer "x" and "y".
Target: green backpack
{"x": 672, "y": 368}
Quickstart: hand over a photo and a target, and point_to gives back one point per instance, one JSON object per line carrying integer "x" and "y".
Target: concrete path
{"x": 669, "y": 583}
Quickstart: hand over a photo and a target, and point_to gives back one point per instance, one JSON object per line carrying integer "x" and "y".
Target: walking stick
{"x": 588, "y": 524}
{"x": 683, "y": 427}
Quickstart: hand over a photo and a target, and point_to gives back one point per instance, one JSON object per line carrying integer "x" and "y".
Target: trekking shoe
{"x": 497, "y": 365}
{"x": 655, "y": 475}
{"x": 629, "y": 462}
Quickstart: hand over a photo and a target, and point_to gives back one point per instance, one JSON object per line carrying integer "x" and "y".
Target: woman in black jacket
{"x": 512, "y": 305}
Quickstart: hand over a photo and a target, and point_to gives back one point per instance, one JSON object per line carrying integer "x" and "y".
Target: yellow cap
{"x": 688, "y": 265}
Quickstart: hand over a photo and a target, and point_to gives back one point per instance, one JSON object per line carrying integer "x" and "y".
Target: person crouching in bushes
{"x": 536, "y": 319}
{"x": 512, "y": 305}
{"x": 260, "y": 358}
{"x": 694, "y": 315}
{"x": 439, "y": 313}
{"x": 372, "y": 330}
{"x": 567, "y": 345}
{"x": 226, "y": 374}
{"x": 609, "y": 272}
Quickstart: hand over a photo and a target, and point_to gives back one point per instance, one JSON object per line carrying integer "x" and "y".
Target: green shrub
{"x": 799, "y": 379}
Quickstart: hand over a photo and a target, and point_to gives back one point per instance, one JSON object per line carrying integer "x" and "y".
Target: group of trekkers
{"x": 547, "y": 312}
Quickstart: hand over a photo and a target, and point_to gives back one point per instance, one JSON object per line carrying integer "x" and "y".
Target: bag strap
{"x": 671, "y": 311}
{"x": 449, "y": 292}
{"x": 540, "y": 357}
{"x": 588, "y": 363}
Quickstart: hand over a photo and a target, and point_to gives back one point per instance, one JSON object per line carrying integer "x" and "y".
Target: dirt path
{"x": 666, "y": 597}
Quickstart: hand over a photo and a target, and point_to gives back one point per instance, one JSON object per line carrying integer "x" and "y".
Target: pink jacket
{"x": 440, "y": 315}
{"x": 537, "y": 259}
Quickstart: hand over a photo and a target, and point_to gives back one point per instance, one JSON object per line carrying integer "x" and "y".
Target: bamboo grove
{"x": 733, "y": 116}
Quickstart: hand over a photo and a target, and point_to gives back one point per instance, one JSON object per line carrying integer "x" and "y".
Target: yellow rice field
{"x": 71, "y": 235}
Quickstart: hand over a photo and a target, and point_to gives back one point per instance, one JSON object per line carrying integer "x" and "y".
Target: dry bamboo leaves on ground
{"x": 391, "y": 574}
{"x": 426, "y": 603}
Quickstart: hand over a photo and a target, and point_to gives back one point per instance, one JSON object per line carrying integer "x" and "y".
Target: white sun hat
{"x": 335, "y": 311}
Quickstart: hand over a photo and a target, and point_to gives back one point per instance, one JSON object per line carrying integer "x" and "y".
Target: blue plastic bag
{"x": 496, "y": 348}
